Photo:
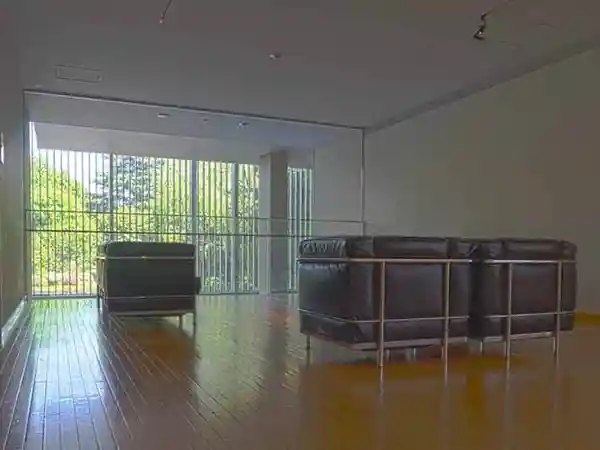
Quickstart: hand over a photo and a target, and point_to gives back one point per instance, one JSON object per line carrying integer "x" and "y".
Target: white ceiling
{"x": 346, "y": 62}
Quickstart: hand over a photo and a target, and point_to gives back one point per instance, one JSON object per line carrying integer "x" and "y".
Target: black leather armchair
{"x": 147, "y": 279}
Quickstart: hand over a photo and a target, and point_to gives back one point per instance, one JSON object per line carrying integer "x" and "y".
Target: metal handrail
{"x": 107, "y": 258}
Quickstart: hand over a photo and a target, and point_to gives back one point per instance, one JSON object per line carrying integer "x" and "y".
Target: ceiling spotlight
{"x": 243, "y": 124}
{"x": 481, "y": 29}
{"x": 162, "y": 115}
{"x": 274, "y": 56}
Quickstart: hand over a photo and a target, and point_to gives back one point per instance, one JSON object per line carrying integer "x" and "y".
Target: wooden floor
{"x": 70, "y": 382}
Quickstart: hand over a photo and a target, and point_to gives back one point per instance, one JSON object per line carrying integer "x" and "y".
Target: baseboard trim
{"x": 13, "y": 324}
{"x": 587, "y": 319}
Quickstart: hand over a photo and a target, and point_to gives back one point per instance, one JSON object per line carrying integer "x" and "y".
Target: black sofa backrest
{"x": 526, "y": 249}
{"x": 131, "y": 269}
{"x": 387, "y": 247}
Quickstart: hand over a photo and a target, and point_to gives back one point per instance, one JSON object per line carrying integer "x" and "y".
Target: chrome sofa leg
{"x": 480, "y": 347}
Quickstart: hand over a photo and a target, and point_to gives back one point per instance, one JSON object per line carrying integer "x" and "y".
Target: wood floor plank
{"x": 14, "y": 401}
{"x": 71, "y": 381}
{"x": 20, "y": 426}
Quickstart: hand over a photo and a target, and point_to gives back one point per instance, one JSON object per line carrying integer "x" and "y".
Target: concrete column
{"x": 273, "y": 243}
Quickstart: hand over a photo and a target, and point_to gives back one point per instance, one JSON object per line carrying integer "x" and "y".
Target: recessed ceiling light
{"x": 243, "y": 124}
{"x": 274, "y": 56}
{"x": 162, "y": 115}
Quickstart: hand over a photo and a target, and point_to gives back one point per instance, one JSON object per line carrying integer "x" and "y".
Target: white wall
{"x": 11, "y": 190}
{"x": 337, "y": 204}
{"x": 521, "y": 159}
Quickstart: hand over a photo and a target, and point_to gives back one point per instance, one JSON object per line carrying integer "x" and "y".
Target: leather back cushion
{"x": 387, "y": 247}
{"x": 532, "y": 249}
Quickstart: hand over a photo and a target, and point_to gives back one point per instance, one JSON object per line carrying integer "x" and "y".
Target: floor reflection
{"x": 73, "y": 382}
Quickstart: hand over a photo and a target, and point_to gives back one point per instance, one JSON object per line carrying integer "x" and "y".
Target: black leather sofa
{"x": 147, "y": 279}
{"x": 342, "y": 279}
{"x": 435, "y": 290}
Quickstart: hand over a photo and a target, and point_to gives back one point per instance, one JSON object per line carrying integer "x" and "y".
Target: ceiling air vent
{"x": 81, "y": 74}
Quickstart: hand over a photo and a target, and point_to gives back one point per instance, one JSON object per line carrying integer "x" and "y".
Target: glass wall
{"x": 79, "y": 200}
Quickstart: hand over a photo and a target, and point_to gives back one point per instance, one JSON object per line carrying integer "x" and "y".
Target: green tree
{"x": 134, "y": 182}
{"x": 248, "y": 228}
{"x": 128, "y": 197}
{"x": 59, "y": 249}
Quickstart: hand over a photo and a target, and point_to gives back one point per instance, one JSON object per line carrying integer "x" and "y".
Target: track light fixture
{"x": 163, "y": 16}
{"x": 481, "y": 29}
{"x": 480, "y": 34}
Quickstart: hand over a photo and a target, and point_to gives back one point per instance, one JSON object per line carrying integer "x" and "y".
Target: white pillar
{"x": 273, "y": 247}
